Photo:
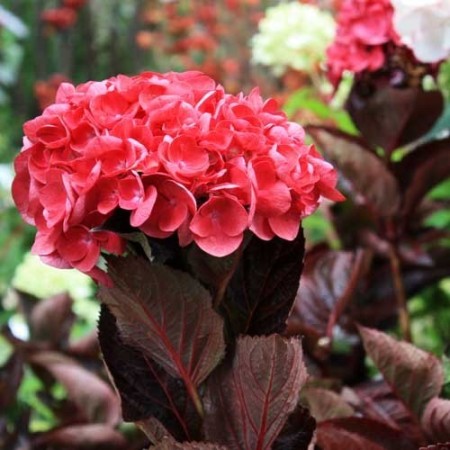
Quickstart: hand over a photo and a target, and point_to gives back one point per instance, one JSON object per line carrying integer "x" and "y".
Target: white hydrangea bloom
{"x": 292, "y": 35}
{"x": 424, "y": 26}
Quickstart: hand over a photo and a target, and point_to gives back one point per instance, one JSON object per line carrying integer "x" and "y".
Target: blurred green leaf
{"x": 446, "y": 387}
{"x": 306, "y": 99}
{"x": 42, "y": 417}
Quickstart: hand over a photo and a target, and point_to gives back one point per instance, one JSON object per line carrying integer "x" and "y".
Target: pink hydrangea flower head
{"x": 174, "y": 153}
{"x": 364, "y": 28}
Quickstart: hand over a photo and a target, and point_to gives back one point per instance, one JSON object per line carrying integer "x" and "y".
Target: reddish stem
{"x": 400, "y": 295}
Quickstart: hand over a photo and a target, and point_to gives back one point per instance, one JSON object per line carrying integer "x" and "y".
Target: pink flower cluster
{"x": 364, "y": 28}
{"x": 174, "y": 150}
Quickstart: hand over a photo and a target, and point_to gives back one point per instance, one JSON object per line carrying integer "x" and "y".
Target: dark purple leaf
{"x": 168, "y": 444}
{"x": 330, "y": 437}
{"x": 26, "y": 303}
{"x": 85, "y": 347}
{"x": 436, "y": 420}
{"x": 376, "y": 297}
{"x": 443, "y": 446}
{"x": 81, "y": 437}
{"x": 154, "y": 430}
{"x": 326, "y": 288}
{"x": 11, "y": 374}
{"x": 262, "y": 291}
{"x": 213, "y": 272}
{"x": 297, "y": 431}
{"x": 325, "y": 404}
{"x": 391, "y": 117}
{"x": 365, "y": 176}
{"x": 357, "y": 433}
{"x": 168, "y": 315}
{"x": 51, "y": 320}
{"x": 378, "y": 402}
{"x": 16, "y": 436}
{"x": 414, "y": 375}
{"x": 248, "y": 404}
{"x": 421, "y": 170}
{"x": 410, "y": 250}
{"x": 91, "y": 394}
{"x": 146, "y": 390}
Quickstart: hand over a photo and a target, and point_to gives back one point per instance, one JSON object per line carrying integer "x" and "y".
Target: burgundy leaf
{"x": 81, "y": 437}
{"x": 91, "y": 394}
{"x": 414, "y": 375}
{"x": 212, "y": 271}
{"x": 248, "y": 404}
{"x": 297, "y": 432}
{"x": 325, "y": 404}
{"x": 85, "y": 346}
{"x": 16, "y": 435}
{"x": 154, "y": 430}
{"x": 26, "y": 303}
{"x": 11, "y": 374}
{"x": 262, "y": 290}
{"x": 51, "y": 319}
{"x": 147, "y": 392}
{"x": 443, "y": 446}
{"x": 392, "y": 117}
{"x": 366, "y": 178}
{"x": 436, "y": 420}
{"x": 377, "y": 303}
{"x": 167, "y": 314}
{"x": 326, "y": 287}
{"x": 330, "y": 437}
{"x": 168, "y": 444}
{"x": 356, "y": 433}
{"x": 378, "y": 402}
{"x": 422, "y": 169}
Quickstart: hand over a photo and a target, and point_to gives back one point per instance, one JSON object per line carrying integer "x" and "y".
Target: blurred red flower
{"x": 60, "y": 18}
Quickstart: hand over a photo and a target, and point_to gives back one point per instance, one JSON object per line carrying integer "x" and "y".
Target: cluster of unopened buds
{"x": 175, "y": 152}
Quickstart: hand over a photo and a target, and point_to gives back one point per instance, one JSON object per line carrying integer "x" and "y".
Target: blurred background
{"x": 241, "y": 44}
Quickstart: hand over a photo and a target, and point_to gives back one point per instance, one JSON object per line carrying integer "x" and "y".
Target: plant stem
{"x": 400, "y": 295}
{"x": 195, "y": 397}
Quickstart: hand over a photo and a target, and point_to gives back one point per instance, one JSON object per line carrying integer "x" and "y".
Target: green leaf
{"x": 305, "y": 99}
